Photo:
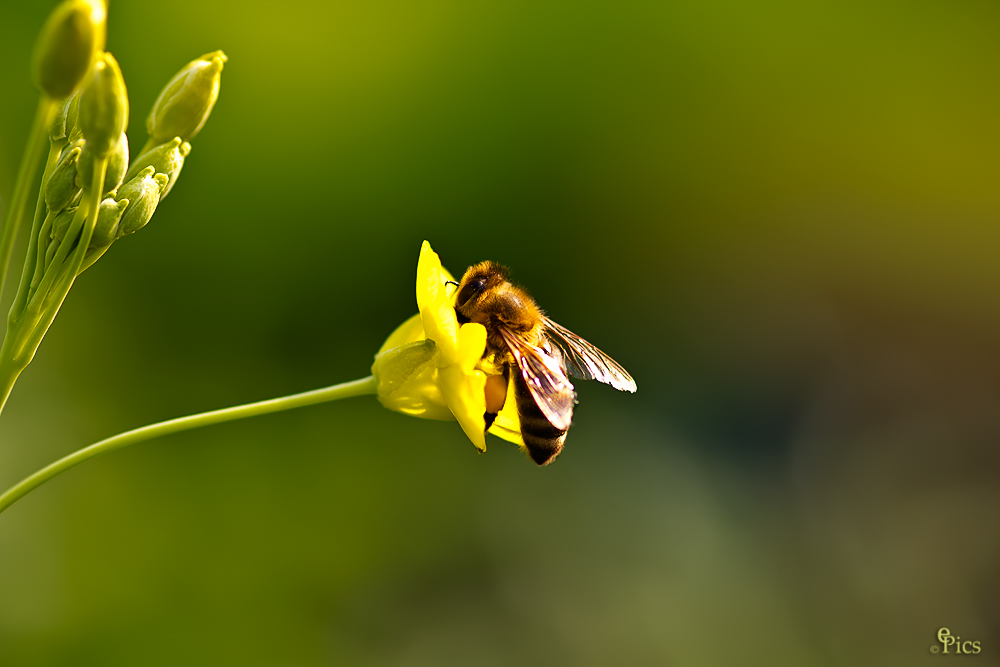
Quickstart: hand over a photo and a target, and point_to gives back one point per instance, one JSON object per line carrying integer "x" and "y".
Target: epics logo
{"x": 947, "y": 640}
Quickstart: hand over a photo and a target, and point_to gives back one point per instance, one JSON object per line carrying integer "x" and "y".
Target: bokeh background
{"x": 782, "y": 217}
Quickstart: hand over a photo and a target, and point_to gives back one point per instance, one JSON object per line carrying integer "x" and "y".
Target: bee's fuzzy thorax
{"x": 491, "y": 272}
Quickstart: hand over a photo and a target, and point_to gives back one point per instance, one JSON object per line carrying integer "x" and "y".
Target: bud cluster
{"x": 129, "y": 199}
{"x": 90, "y": 193}
{"x": 89, "y": 126}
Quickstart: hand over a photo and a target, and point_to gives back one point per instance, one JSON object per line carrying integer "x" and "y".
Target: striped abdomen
{"x": 543, "y": 440}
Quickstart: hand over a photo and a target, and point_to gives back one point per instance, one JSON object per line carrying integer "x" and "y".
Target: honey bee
{"x": 535, "y": 353}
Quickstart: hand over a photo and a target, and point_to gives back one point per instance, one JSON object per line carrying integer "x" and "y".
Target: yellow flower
{"x": 433, "y": 368}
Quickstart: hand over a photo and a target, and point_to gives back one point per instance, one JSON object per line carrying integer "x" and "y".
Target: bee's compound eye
{"x": 471, "y": 288}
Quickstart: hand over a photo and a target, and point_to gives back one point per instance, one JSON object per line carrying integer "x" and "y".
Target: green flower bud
{"x": 73, "y": 131}
{"x": 57, "y": 128}
{"x": 117, "y": 164}
{"x": 187, "y": 100}
{"x": 61, "y": 223}
{"x": 64, "y": 119}
{"x": 68, "y": 45}
{"x": 166, "y": 158}
{"x": 76, "y": 143}
{"x": 143, "y": 192}
{"x": 61, "y": 188}
{"x": 65, "y": 125}
{"x": 104, "y": 106}
{"x": 108, "y": 218}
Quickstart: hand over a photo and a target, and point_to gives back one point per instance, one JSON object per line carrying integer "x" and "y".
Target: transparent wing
{"x": 585, "y": 361}
{"x": 546, "y": 380}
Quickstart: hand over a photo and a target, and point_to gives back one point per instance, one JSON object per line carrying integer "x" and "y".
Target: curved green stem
{"x": 22, "y": 186}
{"x": 337, "y": 391}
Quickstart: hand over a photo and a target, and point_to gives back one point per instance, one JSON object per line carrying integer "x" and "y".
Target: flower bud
{"x": 68, "y": 45}
{"x": 166, "y": 158}
{"x": 61, "y": 224}
{"x": 64, "y": 120}
{"x": 143, "y": 193}
{"x": 108, "y": 218}
{"x": 104, "y": 106}
{"x": 117, "y": 164}
{"x": 73, "y": 131}
{"x": 61, "y": 188}
{"x": 187, "y": 100}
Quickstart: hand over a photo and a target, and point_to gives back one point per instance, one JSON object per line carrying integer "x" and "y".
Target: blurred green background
{"x": 781, "y": 217}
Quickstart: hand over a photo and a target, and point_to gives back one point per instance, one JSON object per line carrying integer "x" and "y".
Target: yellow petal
{"x": 452, "y": 385}
{"x": 507, "y": 424}
{"x": 464, "y": 387}
{"x": 464, "y": 393}
{"x": 471, "y": 345}
{"x": 437, "y": 311}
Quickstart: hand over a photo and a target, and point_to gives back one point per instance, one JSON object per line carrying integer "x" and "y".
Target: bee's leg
{"x": 496, "y": 395}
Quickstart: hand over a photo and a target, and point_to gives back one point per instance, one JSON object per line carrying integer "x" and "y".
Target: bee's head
{"x": 477, "y": 280}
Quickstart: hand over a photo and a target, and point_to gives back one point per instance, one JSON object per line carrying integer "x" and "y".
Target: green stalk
{"x": 35, "y": 239}
{"x": 84, "y": 220}
{"x": 9, "y": 372}
{"x": 25, "y": 333}
{"x": 89, "y": 260}
{"x": 22, "y": 185}
{"x": 345, "y": 390}
{"x": 150, "y": 145}
{"x": 42, "y": 245}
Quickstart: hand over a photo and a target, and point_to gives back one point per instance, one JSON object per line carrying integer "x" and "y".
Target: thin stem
{"x": 42, "y": 215}
{"x": 42, "y": 245}
{"x": 66, "y": 270}
{"x": 150, "y": 145}
{"x": 96, "y": 188}
{"x": 50, "y": 252}
{"x": 9, "y": 370}
{"x": 54, "y": 271}
{"x": 93, "y": 256}
{"x": 11, "y": 366}
{"x": 338, "y": 391}
{"x": 25, "y": 334}
{"x": 22, "y": 186}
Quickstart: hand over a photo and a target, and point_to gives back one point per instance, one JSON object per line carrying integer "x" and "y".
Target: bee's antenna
{"x": 451, "y": 282}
